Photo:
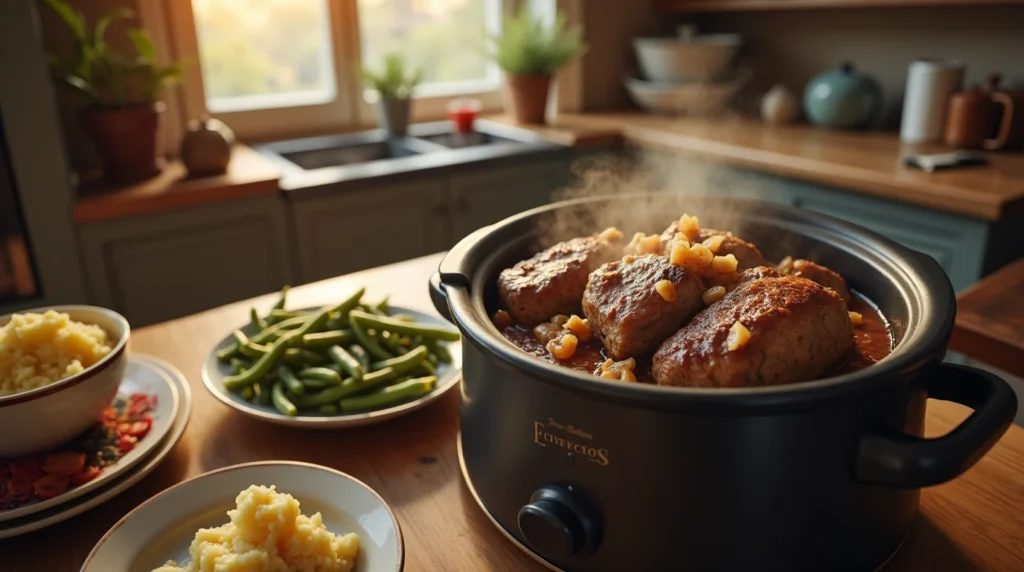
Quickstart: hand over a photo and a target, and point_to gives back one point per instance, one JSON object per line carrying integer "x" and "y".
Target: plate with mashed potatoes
{"x": 274, "y": 516}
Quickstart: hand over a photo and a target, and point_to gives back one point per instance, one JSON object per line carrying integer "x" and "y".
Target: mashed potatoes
{"x": 39, "y": 349}
{"x": 267, "y": 533}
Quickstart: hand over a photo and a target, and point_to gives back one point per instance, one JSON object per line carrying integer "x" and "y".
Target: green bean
{"x": 347, "y": 361}
{"x": 304, "y": 357}
{"x": 372, "y": 309}
{"x": 262, "y": 367}
{"x": 263, "y": 389}
{"x": 438, "y": 349}
{"x": 394, "y": 369}
{"x": 328, "y": 339}
{"x": 360, "y": 354}
{"x": 258, "y": 323}
{"x": 383, "y": 304}
{"x": 400, "y": 327}
{"x": 330, "y": 395}
{"x": 266, "y": 335}
{"x": 392, "y": 342}
{"x": 329, "y": 409}
{"x": 281, "y": 401}
{"x": 316, "y": 321}
{"x": 247, "y": 393}
{"x": 279, "y": 305}
{"x": 320, "y": 374}
{"x": 371, "y": 345}
{"x": 314, "y": 385}
{"x": 281, "y": 315}
{"x": 253, "y": 350}
{"x": 238, "y": 365}
{"x": 427, "y": 367}
{"x": 291, "y": 383}
{"x": 392, "y": 394}
{"x": 416, "y": 356}
{"x": 404, "y": 317}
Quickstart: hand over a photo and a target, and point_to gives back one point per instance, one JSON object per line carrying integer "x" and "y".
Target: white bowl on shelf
{"x": 696, "y": 58}
{"x": 44, "y": 418}
{"x": 690, "y": 98}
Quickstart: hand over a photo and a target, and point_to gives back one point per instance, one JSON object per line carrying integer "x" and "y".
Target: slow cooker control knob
{"x": 559, "y": 523}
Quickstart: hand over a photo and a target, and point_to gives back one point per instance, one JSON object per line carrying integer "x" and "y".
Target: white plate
{"x": 214, "y": 372}
{"x": 138, "y": 378}
{"x": 81, "y": 504}
{"x": 162, "y": 528}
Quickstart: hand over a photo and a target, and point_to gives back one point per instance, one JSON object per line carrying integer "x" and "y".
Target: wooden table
{"x": 972, "y": 523}
{"x": 990, "y": 320}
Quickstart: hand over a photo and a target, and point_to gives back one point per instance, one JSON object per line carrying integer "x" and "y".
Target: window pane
{"x": 444, "y": 37}
{"x": 264, "y": 53}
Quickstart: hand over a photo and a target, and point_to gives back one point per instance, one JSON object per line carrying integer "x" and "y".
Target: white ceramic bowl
{"x": 694, "y": 99}
{"x": 49, "y": 416}
{"x": 700, "y": 58}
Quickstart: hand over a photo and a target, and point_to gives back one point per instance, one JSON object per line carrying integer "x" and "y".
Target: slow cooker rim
{"x": 924, "y": 284}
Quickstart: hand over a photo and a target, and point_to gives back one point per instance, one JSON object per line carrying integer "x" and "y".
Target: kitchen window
{"x": 283, "y": 68}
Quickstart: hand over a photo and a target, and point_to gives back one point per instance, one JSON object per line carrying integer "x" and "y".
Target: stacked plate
{"x": 170, "y": 411}
{"x": 689, "y": 74}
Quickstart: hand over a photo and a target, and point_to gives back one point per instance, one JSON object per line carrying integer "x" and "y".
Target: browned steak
{"x": 798, "y": 330}
{"x": 746, "y": 253}
{"x": 824, "y": 276}
{"x": 626, "y": 311}
{"x": 552, "y": 282}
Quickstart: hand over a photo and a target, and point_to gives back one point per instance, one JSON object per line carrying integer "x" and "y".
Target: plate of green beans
{"x": 348, "y": 363}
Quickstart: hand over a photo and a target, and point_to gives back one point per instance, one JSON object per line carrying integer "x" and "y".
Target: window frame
{"x": 349, "y": 111}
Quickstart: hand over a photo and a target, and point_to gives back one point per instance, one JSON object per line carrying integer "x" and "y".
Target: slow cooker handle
{"x": 908, "y": 461}
{"x": 439, "y": 298}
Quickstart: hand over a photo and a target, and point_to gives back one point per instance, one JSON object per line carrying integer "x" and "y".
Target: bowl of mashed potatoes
{"x": 59, "y": 368}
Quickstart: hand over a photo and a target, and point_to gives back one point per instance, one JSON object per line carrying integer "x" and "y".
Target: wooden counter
{"x": 249, "y": 174}
{"x": 971, "y": 523}
{"x": 864, "y": 162}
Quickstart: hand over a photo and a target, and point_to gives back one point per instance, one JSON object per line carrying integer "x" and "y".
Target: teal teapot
{"x": 842, "y": 98}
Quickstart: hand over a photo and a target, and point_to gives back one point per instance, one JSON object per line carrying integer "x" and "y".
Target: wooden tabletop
{"x": 249, "y": 174}
{"x": 972, "y": 523}
{"x": 860, "y": 161}
{"x": 990, "y": 320}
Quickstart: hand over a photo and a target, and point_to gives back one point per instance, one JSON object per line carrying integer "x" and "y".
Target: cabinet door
{"x": 483, "y": 197}
{"x": 354, "y": 230}
{"x": 159, "y": 267}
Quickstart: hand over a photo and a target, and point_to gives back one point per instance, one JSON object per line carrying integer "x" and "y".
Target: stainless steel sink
{"x": 319, "y": 161}
{"x": 352, "y": 154}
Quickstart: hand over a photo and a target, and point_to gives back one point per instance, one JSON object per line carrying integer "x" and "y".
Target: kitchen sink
{"x": 349, "y": 154}
{"x": 319, "y": 161}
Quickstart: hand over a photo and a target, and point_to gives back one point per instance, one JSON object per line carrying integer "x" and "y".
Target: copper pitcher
{"x": 971, "y": 116}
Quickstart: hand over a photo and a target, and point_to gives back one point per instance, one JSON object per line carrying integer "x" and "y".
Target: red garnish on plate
{"x": 121, "y": 426}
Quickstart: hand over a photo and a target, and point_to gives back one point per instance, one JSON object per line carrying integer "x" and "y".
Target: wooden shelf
{"x": 759, "y": 5}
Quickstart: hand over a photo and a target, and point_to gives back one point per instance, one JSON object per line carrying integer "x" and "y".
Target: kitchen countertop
{"x": 863, "y": 162}
{"x": 971, "y": 523}
{"x": 249, "y": 174}
{"x": 990, "y": 320}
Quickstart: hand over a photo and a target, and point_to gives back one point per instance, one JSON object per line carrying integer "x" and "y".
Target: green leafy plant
{"x": 395, "y": 80}
{"x": 527, "y": 47}
{"x": 104, "y": 76}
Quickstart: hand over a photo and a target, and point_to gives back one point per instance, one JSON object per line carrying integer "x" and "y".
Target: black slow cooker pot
{"x": 597, "y": 475}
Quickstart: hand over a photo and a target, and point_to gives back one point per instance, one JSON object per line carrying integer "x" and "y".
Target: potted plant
{"x": 124, "y": 113}
{"x": 394, "y": 84}
{"x": 530, "y": 53}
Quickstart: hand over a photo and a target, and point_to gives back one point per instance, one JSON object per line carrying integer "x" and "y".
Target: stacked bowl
{"x": 689, "y": 74}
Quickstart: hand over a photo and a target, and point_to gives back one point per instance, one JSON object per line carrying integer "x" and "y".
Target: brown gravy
{"x": 872, "y": 342}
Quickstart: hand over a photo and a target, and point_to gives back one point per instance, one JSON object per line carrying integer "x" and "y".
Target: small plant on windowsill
{"x": 123, "y": 91}
{"x": 394, "y": 85}
{"x": 529, "y": 52}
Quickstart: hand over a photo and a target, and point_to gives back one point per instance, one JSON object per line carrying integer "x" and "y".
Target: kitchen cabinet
{"x": 161, "y": 266}
{"x": 337, "y": 232}
{"x": 751, "y": 5}
{"x": 486, "y": 196}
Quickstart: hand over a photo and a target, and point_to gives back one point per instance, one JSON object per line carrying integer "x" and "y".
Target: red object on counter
{"x": 462, "y": 113}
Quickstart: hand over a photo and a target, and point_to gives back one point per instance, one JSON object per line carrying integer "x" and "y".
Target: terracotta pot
{"x": 128, "y": 140}
{"x": 206, "y": 148}
{"x": 528, "y": 96}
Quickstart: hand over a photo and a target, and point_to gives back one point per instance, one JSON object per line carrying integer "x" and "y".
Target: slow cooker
{"x": 596, "y": 475}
